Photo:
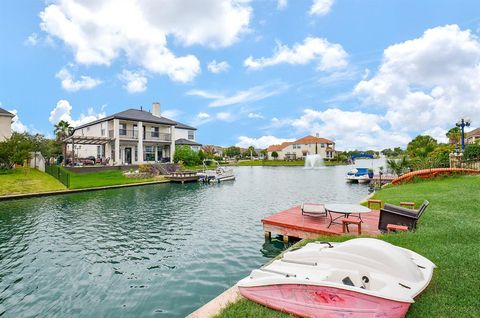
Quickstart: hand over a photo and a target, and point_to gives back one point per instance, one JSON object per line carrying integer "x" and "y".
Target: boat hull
{"x": 323, "y": 301}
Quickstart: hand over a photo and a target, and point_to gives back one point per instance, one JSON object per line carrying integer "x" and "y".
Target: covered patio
{"x": 77, "y": 141}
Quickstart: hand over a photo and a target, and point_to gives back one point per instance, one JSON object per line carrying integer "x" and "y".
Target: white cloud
{"x": 327, "y": 55}
{"x": 252, "y": 94}
{"x": 63, "y": 111}
{"x": 255, "y": 115}
{"x": 203, "y": 115}
{"x": 321, "y": 7}
{"x": 224, "y": 116}
{"x": 218, "y": 67}
{"x": 282, "y": 4}
{"x": 171, "y": 113}
{"x": 17, "y": 125}
{"x": 201, "y": 119}
{"x": 260, "y": 142}
{"x": 99, "y": 32}
{"x": 71, "y": 85}
{"x": 349, "y": 129}
{"x": 32, "y": 40}
{"x": 134, "y": 82}
{"x": 428, "y": 82}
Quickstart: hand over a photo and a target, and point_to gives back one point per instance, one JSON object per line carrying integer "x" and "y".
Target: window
{"x": 123, "y": 129}
{"x": 322, "y": 145}
{"x": 102, "y": 129}
{"x": 155, "y": 132}
{"x": 99, "y": 151}
{"x": 191, "y": 135}
{"x": 136, "y": 154}
{"x": 135, "y": 131}
{"x": 149, "y": 154}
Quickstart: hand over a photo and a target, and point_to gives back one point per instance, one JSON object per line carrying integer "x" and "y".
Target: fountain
{"x": 313, "y": 162}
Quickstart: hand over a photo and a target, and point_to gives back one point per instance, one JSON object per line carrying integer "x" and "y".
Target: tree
{"x": 232, "y": 151}
{"x": 251, "y": 152}
{"x": 274, "y": 155}
{"x": 454, "y": 135}
{"x": 62, "y": 131}
{"x": 15, "y": 150}
{"x": 264, "y": 153}
{"x": 421, "y": 146}
{"x": 186, "y": 155}
{"x": 209, "y": 151}
{"x": 398, "y": 166}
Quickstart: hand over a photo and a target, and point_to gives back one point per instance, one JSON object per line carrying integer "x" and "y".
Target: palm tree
{"x": 63, "y": 130}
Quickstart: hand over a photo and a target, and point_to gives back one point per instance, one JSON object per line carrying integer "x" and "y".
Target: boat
{"x": 219, "y": 174}
{"x": 359, "y": 175}
{"x": 362, "y": 277}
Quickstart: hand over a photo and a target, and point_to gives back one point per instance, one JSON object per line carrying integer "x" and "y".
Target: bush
{"x": 472, "y": 152}
{"x": 186, "y": 155}
{"x": 146, "y": 168}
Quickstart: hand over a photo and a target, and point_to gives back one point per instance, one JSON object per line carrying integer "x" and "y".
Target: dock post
{"x": 268, "y": 235}
{"x": 285, "y": 239}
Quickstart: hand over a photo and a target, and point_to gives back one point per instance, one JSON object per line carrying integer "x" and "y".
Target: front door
{"x": 128, "y": 156}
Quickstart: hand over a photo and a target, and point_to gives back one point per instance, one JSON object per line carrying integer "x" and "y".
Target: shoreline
{"x": 19, "y": 196}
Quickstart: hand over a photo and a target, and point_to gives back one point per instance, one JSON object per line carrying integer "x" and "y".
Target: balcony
{"x": 157, "y": 136}
{"x": 128, "y": 134}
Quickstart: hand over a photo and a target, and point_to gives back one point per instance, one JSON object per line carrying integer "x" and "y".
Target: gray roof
{"x": 3, "y": 112}
{"x": 135, "y": 115}
{"x": 183, "y": 141}
{"x": 183, "y": 126}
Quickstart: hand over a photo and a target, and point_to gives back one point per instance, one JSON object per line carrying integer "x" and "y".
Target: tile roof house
{"x": 5, "y": 124}
{"x": 133, "y": 136}
{"x": 472, "y": 136}
{"x": 302, "y": 147}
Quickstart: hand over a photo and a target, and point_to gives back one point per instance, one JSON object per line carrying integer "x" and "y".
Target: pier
{"x": 291, "y": 223}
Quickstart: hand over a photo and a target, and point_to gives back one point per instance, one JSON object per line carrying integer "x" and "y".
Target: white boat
{"x": 359, "y": 175}
{"x": 219, "y": 174}
{"x": 361, "y": 277}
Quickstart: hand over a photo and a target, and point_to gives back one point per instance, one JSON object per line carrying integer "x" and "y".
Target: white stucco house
{"x": 308, "y": 145}
{"x": 5, "y": 124}
{"x": 133, "y": 136}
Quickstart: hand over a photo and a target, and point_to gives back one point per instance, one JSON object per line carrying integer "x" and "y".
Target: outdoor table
{"x": 345, "y": 210}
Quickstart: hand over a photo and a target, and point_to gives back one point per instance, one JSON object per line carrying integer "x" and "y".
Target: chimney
{"x": 156, "y": 109}
{"x": 317, "y": 134}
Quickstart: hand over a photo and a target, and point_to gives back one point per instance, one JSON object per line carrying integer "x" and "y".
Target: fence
{"x": 59, "y": 173}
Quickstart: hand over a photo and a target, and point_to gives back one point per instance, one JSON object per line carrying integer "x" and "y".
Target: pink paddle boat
{"x": 361, "y": 277}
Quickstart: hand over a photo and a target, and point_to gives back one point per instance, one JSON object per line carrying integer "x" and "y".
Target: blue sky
{"x": 365, "y": 73}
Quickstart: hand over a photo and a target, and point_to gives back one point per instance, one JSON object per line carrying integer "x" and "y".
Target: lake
{"x": 152, "y": 251}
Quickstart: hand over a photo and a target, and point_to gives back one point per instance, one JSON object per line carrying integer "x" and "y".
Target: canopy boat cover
{"x": 361, "y": 277}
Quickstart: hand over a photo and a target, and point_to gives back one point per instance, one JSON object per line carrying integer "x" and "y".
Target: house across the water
{"x": 5, "y": 124}
{"x": 472, "y": 136}
{"x": 300, "y": 148}
{"x": 133, "y": 136}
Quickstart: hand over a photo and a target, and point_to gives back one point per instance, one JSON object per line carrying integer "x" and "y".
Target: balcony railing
{"x": 127, "y": 133}
{"x": 151, "y": 135}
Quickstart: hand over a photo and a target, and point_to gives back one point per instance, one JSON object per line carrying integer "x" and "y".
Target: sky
{"x": 368, "y": 74}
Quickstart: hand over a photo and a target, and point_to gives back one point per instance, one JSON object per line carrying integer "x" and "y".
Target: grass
{"x": 448, "y": 234}
{"x": 21, "y": 180}
{"x": 102, "y": 179}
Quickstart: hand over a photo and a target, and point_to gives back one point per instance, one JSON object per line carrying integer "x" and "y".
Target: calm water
{"x": 160, "y": 250}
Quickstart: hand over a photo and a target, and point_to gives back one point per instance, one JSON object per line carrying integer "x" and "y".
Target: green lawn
{"x": 18, "y": 181}
{"x": 448, "y": 234}
{"x": 102, "y": 179}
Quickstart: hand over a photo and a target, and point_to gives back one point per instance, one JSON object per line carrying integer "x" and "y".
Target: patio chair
{"x": 392, "y": 214}
{"x": 313, "y": 209}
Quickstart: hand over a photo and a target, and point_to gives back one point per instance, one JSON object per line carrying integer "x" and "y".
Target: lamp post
{"x": 462, "y": 123}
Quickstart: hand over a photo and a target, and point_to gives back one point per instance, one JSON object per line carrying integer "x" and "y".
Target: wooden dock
{"x": 291, "y": 223}
{"x": 183, "y": 176}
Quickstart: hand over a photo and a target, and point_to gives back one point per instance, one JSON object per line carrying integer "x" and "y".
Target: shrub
{"x": 145, "y": 168}
{"x": 188, "y": 156}
{"x": 472, "y": 152}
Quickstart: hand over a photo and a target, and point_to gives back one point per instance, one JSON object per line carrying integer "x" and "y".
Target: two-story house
{"x": 300, "y": 148}
{"x": 5, "y": 124}
{"x": 133, "y": 136}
